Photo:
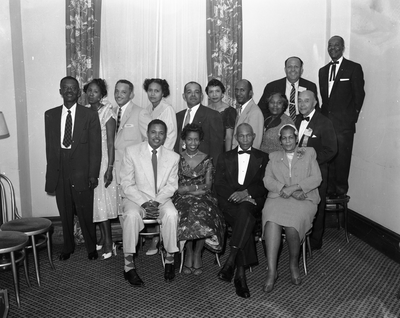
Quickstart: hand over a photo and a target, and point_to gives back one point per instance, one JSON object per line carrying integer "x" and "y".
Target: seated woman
{"x": 292, "y": 177}
{"x": 201, "y": 222}
{"x": 215, "y": 91}
{"x": 277, "y": 105}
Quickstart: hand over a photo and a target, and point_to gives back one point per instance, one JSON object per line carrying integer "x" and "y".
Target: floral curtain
{"x": 83, "y": 40}
{"x": 224, "y": 44}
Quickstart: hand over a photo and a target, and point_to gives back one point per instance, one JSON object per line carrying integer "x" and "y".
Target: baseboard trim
{"x": 382, "y": 239}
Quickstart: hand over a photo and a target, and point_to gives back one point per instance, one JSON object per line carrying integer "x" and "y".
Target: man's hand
{"x": 93, "y": 182}
{"x": 238, "y": 196}
{"x": 108, "y": 177}
{"x": 151, "y": 209}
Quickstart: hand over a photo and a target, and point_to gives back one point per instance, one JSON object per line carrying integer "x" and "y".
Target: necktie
{"x": 306, "y": 118}
{"x": 67, "y": 141}
{"x": 154, "y": 163}
{"x": 241, "y": 152}
{"x": 292, "y": 105}
{"x": 119, "y": 117}
{"x": 187, "y": 119}
{"x": 333, "y": 70}
{"x": 239, "y": 110}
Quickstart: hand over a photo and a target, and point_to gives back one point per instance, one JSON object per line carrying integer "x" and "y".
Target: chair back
{"x": 8, "y": 204}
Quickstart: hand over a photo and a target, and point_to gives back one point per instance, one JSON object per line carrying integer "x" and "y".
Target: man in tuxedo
{"x": 149, "y": 178}
{"x": 341, "y": 83}
{"x": 241, "y": 195}
{"x": 73, "y": 153}
{"x": 248, "y": 112}
{"x": 290, "y": 86}
{"x": 208, "y": 119}
{"x": 315, "y": 130}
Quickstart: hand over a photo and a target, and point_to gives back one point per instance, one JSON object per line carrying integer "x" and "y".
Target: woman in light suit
{"x": 292, "y": 177}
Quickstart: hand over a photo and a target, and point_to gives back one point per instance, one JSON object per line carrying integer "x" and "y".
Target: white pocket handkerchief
{"x": 129, "y": 125}
{"x": 313, "y": 136}
{"x": 344, "y": 79}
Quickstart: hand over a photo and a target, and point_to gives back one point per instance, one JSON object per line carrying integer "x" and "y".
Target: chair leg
{"x": 182, "y": 260}
{"x": 26, "y": 268}
{"x": 15, "y": 276}
{"x": 35, "y": 258}
{"x": 161, "y": 252}
{"x": 217, "y": 258}
{"x": 49, "y": 254}
{"x": 345, "y": 222}
{"x": 303, "y": 245}
{"x": 309, "y": 246}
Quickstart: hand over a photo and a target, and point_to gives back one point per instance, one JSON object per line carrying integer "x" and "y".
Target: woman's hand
{"x": 287, "y": 191}
{"x": 108, "y": 177}
{"x": 299, "y": 195}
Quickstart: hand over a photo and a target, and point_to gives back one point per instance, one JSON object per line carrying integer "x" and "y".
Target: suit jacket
{"x": 323, "y": 137}
{"x": 132, "y": 131}
{"x": 343, "y": 105}
{"x": 137, "y": 176}
{"x": 85, "y": 153}
{"x": 279, "y": 86}
{"x": 226, "y": 176}
{"x": 253, "y": 116}
{"x": 213, "y": 127}
{"x": 304, "y": 172}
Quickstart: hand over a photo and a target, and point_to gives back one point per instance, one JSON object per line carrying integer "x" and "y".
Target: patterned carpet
{"x": 344, "y": 280}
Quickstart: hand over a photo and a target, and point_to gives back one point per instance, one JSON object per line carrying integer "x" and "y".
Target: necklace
{"x": 192, "y": 156}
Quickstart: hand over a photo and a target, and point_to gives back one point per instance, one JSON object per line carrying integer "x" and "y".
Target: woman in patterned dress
{"x": 200, "y": 221}
{"x": 105, "y": 197}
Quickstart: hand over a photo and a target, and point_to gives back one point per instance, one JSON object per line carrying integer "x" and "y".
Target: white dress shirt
{"x": 243, "y": 163}
{"x": 123, "y": 108}
{"x": 64, "y": 114}
{"x": 193, "y": 112}
{"x": 330, "y": 83}
{"x": 304, "y": 124}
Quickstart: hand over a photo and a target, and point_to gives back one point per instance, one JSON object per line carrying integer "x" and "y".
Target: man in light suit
{"x": 73, "y": 153}
{"x": 293, "y": 70}
{"x": 208, "y": 119}
{"x": 316, "y": 130}
{"x": 341, "y": 83}
{"x": 132, "y": 124}
{"x": 248, "y": 112}
{"x": 241, "y": 195}
{"x": 149, "y": 178}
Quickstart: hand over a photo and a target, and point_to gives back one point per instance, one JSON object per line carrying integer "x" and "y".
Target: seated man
{"x": 241, "y": 194}
{"x": 149, "y": 178}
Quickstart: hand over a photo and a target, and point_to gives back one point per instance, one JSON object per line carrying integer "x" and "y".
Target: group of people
{"x": 204, "y": 169}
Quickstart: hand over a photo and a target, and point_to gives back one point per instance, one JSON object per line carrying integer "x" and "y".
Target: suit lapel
{"x": 147, "y": 165}
{"x": 252, "y": 168}
{"x": 162, "y": 167}
{"x": 232, "y": 165}
{"x": 79, "y": 126}
{"x": 126, "y": 116}
{"x": 200, "y": 116}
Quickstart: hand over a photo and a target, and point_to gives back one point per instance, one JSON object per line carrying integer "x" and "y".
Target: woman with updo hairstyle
{"x": 292, "y": 178}
{"x": 215, "y": 91}
{"x": 201, "y": 223}
{"x": 105, "y": 195}
{"x": 277, "y": 105}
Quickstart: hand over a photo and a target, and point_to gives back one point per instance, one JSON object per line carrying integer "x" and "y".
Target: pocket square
{"x": 313, "y": 136}
{"x": 344, "y": 79}
{"x": 129, "y": 125}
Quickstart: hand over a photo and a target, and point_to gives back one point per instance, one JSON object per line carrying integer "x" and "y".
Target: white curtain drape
{"x": 154, "y": 38}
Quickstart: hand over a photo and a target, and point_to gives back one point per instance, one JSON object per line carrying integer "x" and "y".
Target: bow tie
{"x": 334, "y": 62}
{"x": 306, "y": 118}
{"x": 241, "y": 152}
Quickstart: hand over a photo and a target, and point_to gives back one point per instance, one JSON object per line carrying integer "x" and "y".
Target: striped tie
{"x": 119, "y": 117}
{"x": 67, "y": 141}
{"x": 292, "y": 104}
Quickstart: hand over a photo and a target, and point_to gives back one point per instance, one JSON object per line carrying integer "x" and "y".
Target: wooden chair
{"x": 339, "y": 205}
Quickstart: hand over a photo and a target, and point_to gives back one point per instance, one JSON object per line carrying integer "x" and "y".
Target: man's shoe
{"x": 241, "y": 287}
{"x": 93, "y": 255}
{"x": 64, "y": 256}
{"x": 226, "y": 273}
{"x": 133, "y": 278}
{"x": 169, "y": 272}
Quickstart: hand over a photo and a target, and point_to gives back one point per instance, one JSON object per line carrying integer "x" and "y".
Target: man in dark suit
{"x": 241, "y": 195}
{"x": 73, "y": 152}
{"x": 315, "y": 130}
{"x": 290, "y": 86}
{"x": 210, "y": 121}
{"x": 341, "y": 83}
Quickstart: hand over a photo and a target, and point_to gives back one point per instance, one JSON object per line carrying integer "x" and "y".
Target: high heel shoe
{"x": 108, "y": 255}
{"x": 99, "y": 247}
{"x": 267, "y": 288}
{"x": 153, "y": 251}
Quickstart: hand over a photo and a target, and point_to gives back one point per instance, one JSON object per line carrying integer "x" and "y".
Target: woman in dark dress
{"x": 215, "y": 91}
{"x": 201, "y": 222}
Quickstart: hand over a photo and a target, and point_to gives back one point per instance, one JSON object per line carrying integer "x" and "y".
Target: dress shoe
{"x": 133, "y": 278}
{"x": 93, "y": 255}
{"x": 315, "y": 247}
{"x": 169, "y": 272}
{"x": 226, "y": 273}
{"x": 241, "y": 287}
{"x": 65, "y": 256}
{"x": 108, "y": 255}
{"x": 268, "y": 286}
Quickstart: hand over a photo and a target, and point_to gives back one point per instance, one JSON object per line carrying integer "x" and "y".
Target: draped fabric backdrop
{"x": 83, "y": 40}
{"x": 154, "y": 38}
{"x": 224, "y": 44}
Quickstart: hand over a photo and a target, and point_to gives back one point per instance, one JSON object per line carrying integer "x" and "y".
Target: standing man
{"x": 209, "y": 120}
{"x": 315, "y": 130}
{"x": 73, "y": 153}
{"x": 241, "y": 195}
{"x": 248, "y": 112}
{"x": 290, "y": 86}
{"x": 341, "y": 83}
{"x": 149, "y": 178}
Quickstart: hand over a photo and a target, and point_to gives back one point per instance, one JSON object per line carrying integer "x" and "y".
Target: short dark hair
{"x": 192, "y": 82}
{"x": 338, "y": 36}
{"x": 294, "y": 57}
{"x": 192, "y": 128}
{"x": 100, "y": 83}
{"x": 124, "y": 81}
{"x": 248, "y": 84}
{"x": 69, "y": 77}
{"x": 214, "y": 82}
{"x": 283, "y": 96}
{"x": 162, "y": 82}
{"x": 157, "y": 122}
